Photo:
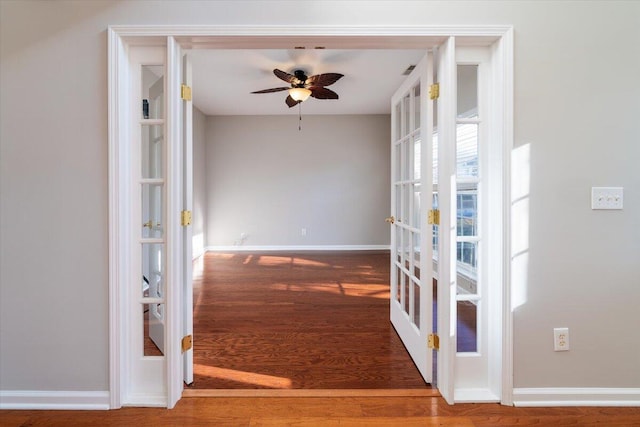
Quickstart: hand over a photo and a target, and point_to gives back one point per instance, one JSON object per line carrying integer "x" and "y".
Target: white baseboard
{"x": 146, "y": 400}
{"x": 593, "y": 396}
{"x": 26, "y": 399}
{"x": 474, "y": 395}
{"x": 297, "y": 248}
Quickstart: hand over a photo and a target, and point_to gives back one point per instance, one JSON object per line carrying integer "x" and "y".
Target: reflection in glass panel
{"x": 467, "y": 327}
{"x": 406, "y": 200}
{"x": 435, "y": 228}
{"x": 467, "y": 256}
{"x": 466, "y": 282}
{"x": 153, "y": 270}
{"x": 467, "y": 151}
{"x": 152, "y": 151}
{"x": 416, "y": 104}
{"x": 398, "y": 121}
{"x": 415, "y": 218}
{"x": 406, "y": 247}
{"x": 398, "y": 202}
{"x": 435, "y": 158}
{"x": 467, "y": 212}
{"x": 152, "y": 91}
{"x": 152, "y": 208}
{"x": 416, "y": 304}
{"x": 398, "y": 284}
{"x": 417, "y": 160}
{"x": 467, "y": 91}
{"x": 153, "y": 329}
{"x": 407, "y": 299}
{"x": 416, "y": 255}
{"x": 407, "y": 115}
{"x": 398, "y": 163}
{"x": 408, "y": 160}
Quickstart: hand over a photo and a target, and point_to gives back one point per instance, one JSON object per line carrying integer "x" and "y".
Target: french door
{"x": 146, "y": 240}
{"x": 411, "y": 193}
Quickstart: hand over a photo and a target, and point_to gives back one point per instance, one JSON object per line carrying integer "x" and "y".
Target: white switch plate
{"x": 606, "y": 197}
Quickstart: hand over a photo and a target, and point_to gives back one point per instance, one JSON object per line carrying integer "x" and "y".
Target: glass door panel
{"x": 467, "y": 151}
{"x": 152, "y": 150}
{"x": 153, "y": 317}
{"x": 153, "y": 91}
{"x": 468, "y": 184}
{"x": 467, "y": 91}
{"x": 153, "y": 270}
{"x": 152, "y": 210}
{"x": 467, "y": 327}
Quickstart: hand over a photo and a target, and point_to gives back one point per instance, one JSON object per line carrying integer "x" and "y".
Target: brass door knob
{"x": 390, "y": 220}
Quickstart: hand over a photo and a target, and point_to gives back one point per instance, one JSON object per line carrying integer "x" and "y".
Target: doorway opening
{"x": 120, "y": 238}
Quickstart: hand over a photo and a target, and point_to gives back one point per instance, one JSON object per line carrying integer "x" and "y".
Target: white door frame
{"x": 500, "y": 38}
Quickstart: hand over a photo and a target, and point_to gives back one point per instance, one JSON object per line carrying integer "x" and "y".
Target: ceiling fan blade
{"x": 275, "y": 89}
{"x": 291, "y": 102}
{"x": 289, "y": 78}
{"x": 320, "y": 92}
{"x": 324, "y": 79}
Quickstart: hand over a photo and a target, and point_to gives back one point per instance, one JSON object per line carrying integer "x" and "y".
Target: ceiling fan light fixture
{"x": 299, "y": 93}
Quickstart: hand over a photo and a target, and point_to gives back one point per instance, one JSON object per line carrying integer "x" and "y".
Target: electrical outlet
{"x": 303, "y": 232}
{"x": 560, "y": 339}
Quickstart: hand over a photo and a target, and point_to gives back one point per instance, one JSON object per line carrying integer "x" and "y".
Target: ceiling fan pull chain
{"x": 299, "y": 115}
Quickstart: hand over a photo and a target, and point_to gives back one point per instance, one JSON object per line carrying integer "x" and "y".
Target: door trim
{"x": 221, "y": 36}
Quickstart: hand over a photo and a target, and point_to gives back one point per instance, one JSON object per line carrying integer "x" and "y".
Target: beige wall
{"x": 576, "y": 108}
{"x": 267, "y": 180}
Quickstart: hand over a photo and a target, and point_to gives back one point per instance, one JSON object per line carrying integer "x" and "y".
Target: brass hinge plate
{"x": 185, "y": 92}
{"x": 187, "y": 343}
{"x": 434, "y": 91}
{"x": 185, "y": 218}
{"x": 434, "y": 216}
{"x": 433, "y": 341}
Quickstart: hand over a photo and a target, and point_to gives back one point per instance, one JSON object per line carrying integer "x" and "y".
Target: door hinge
{"x": 185, "y": 92}
{"x": 434, "y": 91}
{"x": 433, "y": 341}
{"x": 185, "y": 218}
{"x": 434, "y": 217}
{"x": 187, "y": 343}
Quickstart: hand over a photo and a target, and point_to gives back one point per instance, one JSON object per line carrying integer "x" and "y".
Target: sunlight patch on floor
{"x": 345, "y": 289}
{"x": 242, "y": 377}
{"x": 272, "y": 260}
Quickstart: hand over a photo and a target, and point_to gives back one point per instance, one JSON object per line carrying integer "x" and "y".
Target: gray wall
{"x": 268, "y": 180}
{"x": 577, "y": 100}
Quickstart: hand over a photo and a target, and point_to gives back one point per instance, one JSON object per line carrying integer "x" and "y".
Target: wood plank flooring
{"x": 320, "y": 412}
{"x": 297, "y": 321}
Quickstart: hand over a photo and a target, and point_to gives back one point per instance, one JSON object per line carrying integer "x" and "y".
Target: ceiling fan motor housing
{"x": 301, "y": 76}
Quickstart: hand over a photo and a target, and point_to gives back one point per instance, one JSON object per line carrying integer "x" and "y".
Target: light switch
{"x": 606, "y": 197}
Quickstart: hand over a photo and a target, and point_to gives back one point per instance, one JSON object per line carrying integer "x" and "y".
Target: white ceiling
{"x": 224, "y": 78}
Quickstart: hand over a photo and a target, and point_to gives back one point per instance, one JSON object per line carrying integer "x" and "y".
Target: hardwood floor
{"x": 297, "y": 321}
{"x": 330, "y": 411}
{"x": 310, "y": 304}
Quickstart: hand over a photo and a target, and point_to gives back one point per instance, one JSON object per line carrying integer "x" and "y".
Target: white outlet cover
{"x": 561, "y": 339}
{"x": 607, "y": 198}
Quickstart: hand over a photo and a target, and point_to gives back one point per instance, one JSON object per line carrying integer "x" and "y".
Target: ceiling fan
{"x": 302, "y": 87}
